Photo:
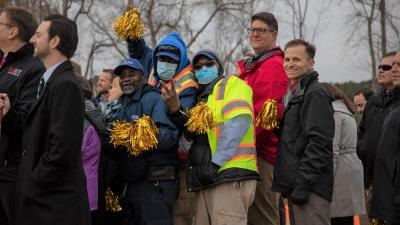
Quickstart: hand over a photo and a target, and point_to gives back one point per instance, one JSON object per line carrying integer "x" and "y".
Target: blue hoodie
{"x": 187, "y": 96}
{"x": 172, "y": 39}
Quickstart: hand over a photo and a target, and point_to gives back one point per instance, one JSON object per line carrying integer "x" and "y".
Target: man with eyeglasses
{"x": 370, "y": 126}
{"x": 19, "y": 77}
{"x": 386, "y": 182}
{"x": 265, "y": 74}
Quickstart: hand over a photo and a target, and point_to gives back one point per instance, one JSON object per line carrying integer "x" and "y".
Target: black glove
{"x": 189, "y": 135}
{"x": 299, "y": 195}
{"x": 135, "y": 48}
{"x": 210, "y": 173}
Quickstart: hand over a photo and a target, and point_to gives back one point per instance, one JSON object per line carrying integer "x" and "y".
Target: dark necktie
{"x": 42, "y": 83}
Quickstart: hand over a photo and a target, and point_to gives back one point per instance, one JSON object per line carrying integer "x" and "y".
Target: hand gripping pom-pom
{"x": 136, "y": 137}
{"x": 200, "y": 119}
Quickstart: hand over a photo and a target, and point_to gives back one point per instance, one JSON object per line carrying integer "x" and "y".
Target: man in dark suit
{"x": 19, "y": 78}
{"x": 51, "y": 186}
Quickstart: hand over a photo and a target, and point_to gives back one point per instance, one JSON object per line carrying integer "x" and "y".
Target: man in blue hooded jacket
{"x": 173, "y": 74}
{"x": 151, "y": 177}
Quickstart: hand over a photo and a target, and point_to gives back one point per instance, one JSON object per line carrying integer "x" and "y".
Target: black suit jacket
{"x": 51, "y": 185}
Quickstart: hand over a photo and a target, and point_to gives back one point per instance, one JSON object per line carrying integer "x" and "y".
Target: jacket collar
{"x": 254, "y": 61}
{"x": 209, "y": 89}
{"x": 304, "y": 82}
{"x": 27, "y": 49}
{"x": 66, "y": 65}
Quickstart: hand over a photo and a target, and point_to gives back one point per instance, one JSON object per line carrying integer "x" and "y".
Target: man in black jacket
{"x": 304, "y": 168}
{"x": 51, "y": 184}
{"x": 370, "y": 127}
{"x": 386, "y": 182}
{"x": 19, "y": 77}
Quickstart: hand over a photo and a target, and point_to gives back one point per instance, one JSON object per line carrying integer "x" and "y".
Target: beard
{"x": 40, "y": 54}
{"x": 102, "y": 91}
{"x": 128, "y": 89}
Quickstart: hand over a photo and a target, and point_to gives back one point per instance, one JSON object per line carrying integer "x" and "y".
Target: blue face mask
{"x": 166, "y": 71}
{"x": 206, "y": 75}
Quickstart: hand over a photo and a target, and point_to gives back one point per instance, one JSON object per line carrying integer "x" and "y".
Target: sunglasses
{"x": 385, "y": 67}
{"x": 207, "y": 64}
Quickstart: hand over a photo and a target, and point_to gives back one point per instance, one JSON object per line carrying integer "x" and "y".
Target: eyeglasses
{"x": 259, "y": 31}
{"x": 384, "y": 67}
{"x": 206, "y": 64}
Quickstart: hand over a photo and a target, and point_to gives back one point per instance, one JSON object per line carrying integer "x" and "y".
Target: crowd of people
{"x": 227, "y": 148}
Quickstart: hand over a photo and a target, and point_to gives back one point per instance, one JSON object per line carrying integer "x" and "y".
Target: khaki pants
{"x": 184, "y": 206}
{"x": 317, "y": 211}
{"x": 265, "y": 209}
{"x": 225, "y": 204}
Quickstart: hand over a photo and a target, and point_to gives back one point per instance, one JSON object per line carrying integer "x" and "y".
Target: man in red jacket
{"x": 265, "y": 74}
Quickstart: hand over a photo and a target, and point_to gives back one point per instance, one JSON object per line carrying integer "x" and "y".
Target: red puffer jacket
{"x": 266, "y": 76}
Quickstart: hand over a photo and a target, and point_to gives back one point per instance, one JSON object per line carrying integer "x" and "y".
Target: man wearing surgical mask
{"x": 222, "y": 165}
{"x": 173, "y": 74}
{"x": 171, "y": 66}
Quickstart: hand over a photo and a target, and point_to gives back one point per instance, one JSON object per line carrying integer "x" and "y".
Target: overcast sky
{"x": 334, "y": 61}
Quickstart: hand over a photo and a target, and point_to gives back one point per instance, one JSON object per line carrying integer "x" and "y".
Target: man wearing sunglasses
{"x": 386, "y": 197}
{"x": 266, "y": 76}
{"x": 373, "y": 117}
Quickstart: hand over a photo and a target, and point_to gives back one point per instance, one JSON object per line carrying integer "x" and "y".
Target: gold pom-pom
{"x": 137, "y": 137}
{"x": 120, "y": 133}
{"x": 200, "y": 119}
{"x": 268, "y": 117}
{"x": 112, "y": 201}
{"x": 129, "y": 25}
{"x": 144, "y": 135}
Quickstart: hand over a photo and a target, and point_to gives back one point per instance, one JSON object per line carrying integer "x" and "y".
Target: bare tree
{"x": 382, "y": 9}
{"x": 369, "y": 20}
{"x": 299, "y": 23}
{"x": 299, "y": 14}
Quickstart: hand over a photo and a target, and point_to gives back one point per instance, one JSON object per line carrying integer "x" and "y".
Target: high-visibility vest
{"x": 183, "y": 80}
{"x": 232, "y": 97}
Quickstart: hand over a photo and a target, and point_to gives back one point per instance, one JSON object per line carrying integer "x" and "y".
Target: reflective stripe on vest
{"x": 235, "y": 104}
{"x": 231, "y": 96}
{"x": 185, "y": 79}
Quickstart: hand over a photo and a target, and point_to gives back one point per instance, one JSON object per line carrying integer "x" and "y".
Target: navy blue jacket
{"x": 140, "y": 51}
{"x": 146, "y": 101}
